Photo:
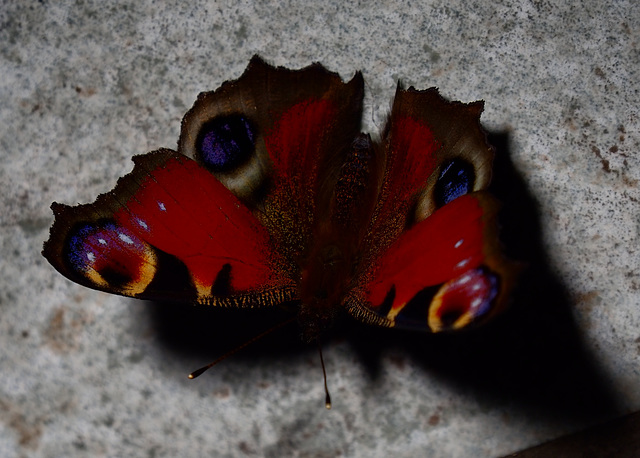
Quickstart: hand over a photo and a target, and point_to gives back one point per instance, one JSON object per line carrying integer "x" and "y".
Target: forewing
{"x": 169, "y": 230}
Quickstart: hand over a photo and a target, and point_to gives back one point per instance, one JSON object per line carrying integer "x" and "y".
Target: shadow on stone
{"x": 532, "y": 356}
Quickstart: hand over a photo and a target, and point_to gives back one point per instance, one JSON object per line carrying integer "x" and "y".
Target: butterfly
{"x": 274, "y": 197}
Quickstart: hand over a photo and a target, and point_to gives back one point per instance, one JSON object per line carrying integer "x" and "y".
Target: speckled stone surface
{"x": 86, "y": 85}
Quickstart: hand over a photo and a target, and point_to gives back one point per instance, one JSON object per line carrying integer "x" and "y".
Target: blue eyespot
{"x": 85, "y": 244}
{"x": 226, "y": 142}
{"x": 110, "y": 256}
{"x": 456, "y": 179}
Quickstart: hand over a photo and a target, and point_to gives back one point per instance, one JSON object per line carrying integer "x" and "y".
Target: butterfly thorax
{"x": 343, "y": 212}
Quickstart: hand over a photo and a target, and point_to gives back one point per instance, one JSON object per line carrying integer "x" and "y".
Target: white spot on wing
{"x": 161, "y": 206}
{"x": 102, "y": 241}
{"x": 142, "y": 224}
{"x": 90, "y": 256}
{"x": 459, "y": 243}
{"x": 125, "y": 238}
{"x": 476, "y": 303}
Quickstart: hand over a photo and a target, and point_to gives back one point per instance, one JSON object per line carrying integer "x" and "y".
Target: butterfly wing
{"x": 433, "y": 260}
{"x": 225, "y": 220}
{"x": 168, "y": 230}
{"x": 301, "y": 123}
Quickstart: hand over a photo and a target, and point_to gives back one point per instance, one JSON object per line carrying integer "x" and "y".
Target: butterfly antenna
{"x": 200, "y": 371}
{"x": 327, "y": 398}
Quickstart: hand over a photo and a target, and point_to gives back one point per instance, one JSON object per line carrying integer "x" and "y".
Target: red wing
{"x": 446, "y": 272}
{"x": 433, "y": 260}
{"x": 426, "y": 141}
{"x": 300, "y": 125}
{"x": 169, "y": 230}
{"x": 227, "y": 220}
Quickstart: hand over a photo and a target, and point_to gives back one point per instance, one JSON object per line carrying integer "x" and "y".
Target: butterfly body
{"x": 275, "y": 197}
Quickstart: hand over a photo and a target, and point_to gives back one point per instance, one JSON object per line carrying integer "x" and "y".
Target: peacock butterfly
{"x": 275, "y": 197}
